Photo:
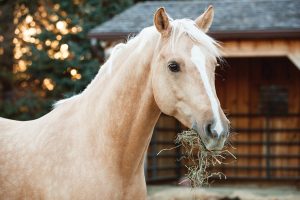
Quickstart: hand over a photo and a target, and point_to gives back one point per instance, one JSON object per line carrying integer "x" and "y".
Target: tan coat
{"x": 92, "y": 146}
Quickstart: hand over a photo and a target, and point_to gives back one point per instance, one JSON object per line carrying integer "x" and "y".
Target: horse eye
{"x": 174, "y": 67}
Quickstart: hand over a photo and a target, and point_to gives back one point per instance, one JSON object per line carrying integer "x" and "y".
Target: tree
{"x": 6, "y": 49}
{"x": 52, "y": 53}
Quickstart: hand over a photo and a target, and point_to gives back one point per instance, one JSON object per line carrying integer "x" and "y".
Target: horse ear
{"x": 161, "y": 22}
{"x": 204, "y": 21}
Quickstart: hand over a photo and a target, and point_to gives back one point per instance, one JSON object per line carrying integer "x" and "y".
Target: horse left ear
{"x": 161, "y": 22}
{"x": 204, "y": 21}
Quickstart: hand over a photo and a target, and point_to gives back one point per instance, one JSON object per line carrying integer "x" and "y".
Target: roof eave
{"x": 256, "y": 34}
{"x": 219, "y": 35}
{"x": 107, "y": 36}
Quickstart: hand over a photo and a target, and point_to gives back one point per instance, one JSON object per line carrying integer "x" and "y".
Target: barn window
{"x": 273, "y": 99}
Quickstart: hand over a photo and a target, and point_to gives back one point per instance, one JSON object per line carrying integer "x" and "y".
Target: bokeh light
{"x": 28, "y": 28}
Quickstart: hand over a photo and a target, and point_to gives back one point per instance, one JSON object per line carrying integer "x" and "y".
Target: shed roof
{"x": 233, "y": 18}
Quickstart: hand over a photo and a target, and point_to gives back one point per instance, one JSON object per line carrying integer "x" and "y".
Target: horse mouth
{"x": 201, "y": 142}
{"x": 210, "y": 144}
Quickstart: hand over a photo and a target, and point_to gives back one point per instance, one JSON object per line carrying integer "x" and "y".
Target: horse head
{"x": 183, "y": 75}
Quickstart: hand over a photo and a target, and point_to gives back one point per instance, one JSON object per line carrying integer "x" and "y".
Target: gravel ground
{"x": 244, "y": 192}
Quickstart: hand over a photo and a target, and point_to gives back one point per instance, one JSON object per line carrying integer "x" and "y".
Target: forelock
{"x": 188, "y": 27}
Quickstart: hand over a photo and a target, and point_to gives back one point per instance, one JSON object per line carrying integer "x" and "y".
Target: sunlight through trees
{"x": 45, "y": 52}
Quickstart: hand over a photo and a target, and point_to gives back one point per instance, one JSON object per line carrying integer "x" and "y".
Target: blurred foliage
{"x": 46, "y": 54}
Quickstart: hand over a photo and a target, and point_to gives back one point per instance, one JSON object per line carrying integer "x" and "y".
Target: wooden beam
{"x": 263, "y": 48}
{"x": 295, "y": 58}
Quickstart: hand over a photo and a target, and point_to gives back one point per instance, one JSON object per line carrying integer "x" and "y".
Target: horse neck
{"x": 120, "y": 107}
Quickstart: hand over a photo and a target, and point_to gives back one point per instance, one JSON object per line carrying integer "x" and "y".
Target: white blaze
{"x": 199, "y": 60}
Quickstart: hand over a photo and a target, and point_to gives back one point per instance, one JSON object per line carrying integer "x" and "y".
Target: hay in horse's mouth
{"x": 199, "y": 159}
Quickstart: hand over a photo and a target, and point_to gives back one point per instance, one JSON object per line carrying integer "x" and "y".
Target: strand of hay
{"x": 200, "y": 158}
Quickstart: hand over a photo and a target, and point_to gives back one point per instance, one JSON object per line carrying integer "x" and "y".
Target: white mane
{"x": 189, "y": 27}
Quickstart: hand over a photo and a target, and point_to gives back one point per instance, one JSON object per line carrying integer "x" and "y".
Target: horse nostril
{"x": 210, "y": 132}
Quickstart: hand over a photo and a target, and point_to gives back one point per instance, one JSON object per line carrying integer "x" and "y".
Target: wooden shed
{"x": 258, "y": 86}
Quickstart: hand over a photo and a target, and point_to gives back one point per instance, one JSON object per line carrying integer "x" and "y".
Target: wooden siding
{"x": 241, "y": 81}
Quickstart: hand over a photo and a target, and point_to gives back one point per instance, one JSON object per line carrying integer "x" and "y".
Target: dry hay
{"x": 199, "y": 158}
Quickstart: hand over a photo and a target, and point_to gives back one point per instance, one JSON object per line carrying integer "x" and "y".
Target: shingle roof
{"x": 230, "y": 16}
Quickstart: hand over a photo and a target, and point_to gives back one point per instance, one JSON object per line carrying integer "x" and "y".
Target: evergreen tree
{"x": 52, "y": 53}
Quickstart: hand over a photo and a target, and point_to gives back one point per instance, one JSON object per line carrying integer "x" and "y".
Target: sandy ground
{"x": 243, "y": 192}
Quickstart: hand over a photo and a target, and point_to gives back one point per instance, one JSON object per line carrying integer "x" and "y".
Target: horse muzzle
{"x": 213, "y": 138}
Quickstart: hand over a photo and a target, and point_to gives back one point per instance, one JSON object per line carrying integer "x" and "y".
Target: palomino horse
{"x": 92, "y": 146}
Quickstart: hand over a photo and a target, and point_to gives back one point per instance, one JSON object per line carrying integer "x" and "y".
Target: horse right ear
{"x": 161, "y": 22}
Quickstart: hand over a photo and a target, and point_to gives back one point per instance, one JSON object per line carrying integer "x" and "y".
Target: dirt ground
{"x": 242, "y": 192}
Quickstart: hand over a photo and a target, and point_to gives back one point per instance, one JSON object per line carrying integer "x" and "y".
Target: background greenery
{"x": 45, "y": 54}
